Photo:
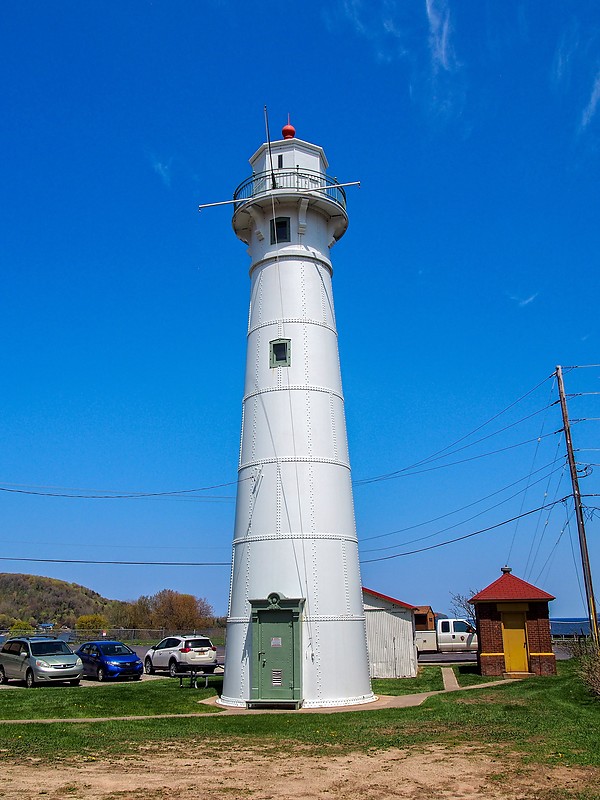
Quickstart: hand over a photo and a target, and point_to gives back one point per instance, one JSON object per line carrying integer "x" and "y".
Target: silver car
{"x": 39, "y": 659}
{"x": 182, "y": 654}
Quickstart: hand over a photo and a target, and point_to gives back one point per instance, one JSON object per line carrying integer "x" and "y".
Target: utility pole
{"x": 585, "y": 559}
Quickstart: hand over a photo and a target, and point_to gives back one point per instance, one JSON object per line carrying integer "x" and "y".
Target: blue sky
{"x": 470, "y": 269}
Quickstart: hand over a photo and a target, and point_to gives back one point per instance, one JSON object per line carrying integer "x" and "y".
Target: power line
{"x": 228, "y": 563}
{"x": 551, "y": 553}
{"x": 466, "y": 446}
{"x": 457, "y": 510}
{"x": 406, "y": 474}
{"x": 545, "y": 528}
{"x": 123, "y": 563}
{"x": 462, "y": 522}
{"x": 461, "y": 538}
{"x": 112, "y": 546}
{"x": 462, "y": 438}
{"x": 181, "y": 493}
{"x": 514, "y": 536}
{"x": 537, "y": 525}
{"x": 109, "y": 495}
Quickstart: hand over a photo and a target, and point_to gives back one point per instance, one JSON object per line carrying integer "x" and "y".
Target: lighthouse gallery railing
{"x": 298, "y": 180}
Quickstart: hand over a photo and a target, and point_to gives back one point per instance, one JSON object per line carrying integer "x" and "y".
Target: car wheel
{"x": 29, "y": 679}
{"x": 3, "y": 678}
{"x": 75, "y": 682}
{"x": 101, "y": 675}
{"x": 148, "y": 667}
{"x": 173, "y": 668}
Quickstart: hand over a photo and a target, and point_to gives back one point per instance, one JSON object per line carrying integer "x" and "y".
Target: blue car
{"x": 105, "y": 660}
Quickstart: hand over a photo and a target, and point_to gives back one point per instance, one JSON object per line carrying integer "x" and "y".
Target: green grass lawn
{"x": 110, "y": 700}
{"x": 546, "y": 720}
{"x": 468, "y": 675}
{"x": 429, "y": 679}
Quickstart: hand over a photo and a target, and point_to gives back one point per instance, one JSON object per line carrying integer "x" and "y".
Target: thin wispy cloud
{"x": 565, "y": 56}
{"x": 163, "y": 170}
{"x": 589, "y": 112}
{"x": 523, "y": 301}
{"x": 383, "y": 23}
{"x": 418, "y": 35}
{"x": 438, "y": 17}
{"x": 353, "y": 10}
{"x": 575, "y": 72}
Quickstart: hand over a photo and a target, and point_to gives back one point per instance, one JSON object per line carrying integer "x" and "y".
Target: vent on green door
{"x": 277, "y": 677}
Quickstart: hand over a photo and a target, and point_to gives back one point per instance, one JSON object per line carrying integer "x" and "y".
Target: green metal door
{"x": 275, "y": 657}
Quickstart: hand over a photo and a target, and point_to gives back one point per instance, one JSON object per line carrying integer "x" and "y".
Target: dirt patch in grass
{"x": 484, "y": 700}
{"x": 440, "y": 773}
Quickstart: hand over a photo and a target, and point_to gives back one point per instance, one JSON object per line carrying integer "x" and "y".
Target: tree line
{"x": 26, "y": 602}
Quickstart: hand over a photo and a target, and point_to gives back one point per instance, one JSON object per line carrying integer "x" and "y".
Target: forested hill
{"x": 35, "y": 600}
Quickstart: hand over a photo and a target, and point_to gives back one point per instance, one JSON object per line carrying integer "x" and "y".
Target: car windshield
{"x": 114, "y": 649}
{"x": 49, "y": 649}
{"x": 198, "y": 643}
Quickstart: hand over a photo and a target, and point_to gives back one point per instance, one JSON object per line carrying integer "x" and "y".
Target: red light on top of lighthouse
{"x": 288, "y": 131}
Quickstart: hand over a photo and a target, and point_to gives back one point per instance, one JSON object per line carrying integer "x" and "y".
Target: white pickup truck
{"x": 449, "y": 635}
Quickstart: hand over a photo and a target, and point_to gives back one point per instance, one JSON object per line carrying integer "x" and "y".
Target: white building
{"x": 296, "y": 625}
{"x": 390, "y": 636}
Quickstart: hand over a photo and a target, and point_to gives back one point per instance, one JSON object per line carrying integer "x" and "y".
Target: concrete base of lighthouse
{"x": 287, "y": 662}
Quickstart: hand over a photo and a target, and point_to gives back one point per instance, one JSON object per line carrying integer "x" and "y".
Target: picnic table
{"x": 194, "y": 675}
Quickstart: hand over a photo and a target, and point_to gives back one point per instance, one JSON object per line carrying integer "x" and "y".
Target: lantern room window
{"x": 280, "y": 353}
{"x": 280, "y": 230}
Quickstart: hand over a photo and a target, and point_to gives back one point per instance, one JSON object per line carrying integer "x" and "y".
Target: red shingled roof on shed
{"x": 385, "y": 597}
{"x": 509, "y": 587}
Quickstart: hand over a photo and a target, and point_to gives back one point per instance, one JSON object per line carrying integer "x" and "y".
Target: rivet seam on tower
{"x": 286, "y": 320}
{"x": 293, "y": 388}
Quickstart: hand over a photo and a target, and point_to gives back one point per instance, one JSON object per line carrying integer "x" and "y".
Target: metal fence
{"x": 85, "y": 634}
{"x": 131, "y": 635}
{"x": 304, "y": 180}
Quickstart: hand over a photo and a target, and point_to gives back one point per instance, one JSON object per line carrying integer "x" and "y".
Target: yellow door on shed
{"x": 515, "y": 643}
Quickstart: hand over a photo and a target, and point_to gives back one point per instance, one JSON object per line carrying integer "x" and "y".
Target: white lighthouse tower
{"x": 296, "y": 624}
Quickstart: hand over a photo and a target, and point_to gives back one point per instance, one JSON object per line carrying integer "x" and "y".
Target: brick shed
{"x": 513, "y": 627}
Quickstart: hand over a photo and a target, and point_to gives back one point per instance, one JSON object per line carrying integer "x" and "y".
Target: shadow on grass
{"x": 469, "y": 675}
{"x": 468, "y": 669}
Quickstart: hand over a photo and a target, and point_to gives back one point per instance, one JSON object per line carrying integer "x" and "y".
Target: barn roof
{"x": 389, "y": 599}
{"x": 508, "y": 587}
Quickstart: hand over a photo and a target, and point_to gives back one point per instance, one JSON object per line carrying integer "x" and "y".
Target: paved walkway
{"x": 382, "y": 701}
{"x": 449, "y": 678}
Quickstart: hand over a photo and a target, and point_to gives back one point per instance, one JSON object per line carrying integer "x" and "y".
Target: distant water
{"x": 569, "y": 626}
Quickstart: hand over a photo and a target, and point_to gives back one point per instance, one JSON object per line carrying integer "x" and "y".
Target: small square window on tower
{"x": 280, "y": 230}
{"x": 280, "y": 353}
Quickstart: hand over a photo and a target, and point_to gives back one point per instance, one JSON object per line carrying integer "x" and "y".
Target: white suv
{"x": 181, "y": 654}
